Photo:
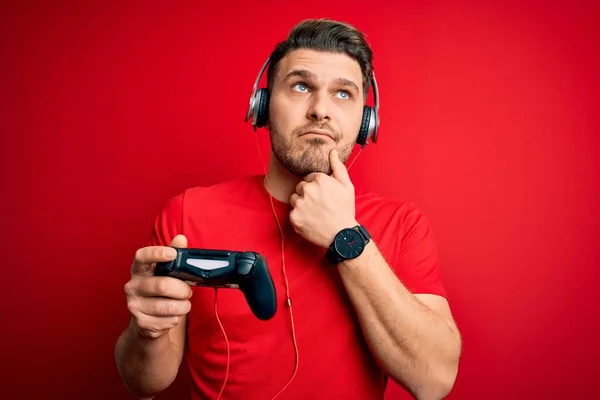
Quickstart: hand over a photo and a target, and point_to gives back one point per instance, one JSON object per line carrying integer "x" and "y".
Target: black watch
{"x": 349, "y": 243}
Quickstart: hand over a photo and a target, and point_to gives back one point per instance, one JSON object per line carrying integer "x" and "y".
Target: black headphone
{"x": 259, "y": 111}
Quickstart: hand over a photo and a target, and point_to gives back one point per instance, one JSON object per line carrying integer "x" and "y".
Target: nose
{"x": 319, "y": 108}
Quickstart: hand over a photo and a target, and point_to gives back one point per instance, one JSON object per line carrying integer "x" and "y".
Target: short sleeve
{"x": 417, "y": 262}
{"x": 168, "y": 222}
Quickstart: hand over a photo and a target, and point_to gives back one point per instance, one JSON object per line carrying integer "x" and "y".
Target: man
{"x": 351, "y": 324}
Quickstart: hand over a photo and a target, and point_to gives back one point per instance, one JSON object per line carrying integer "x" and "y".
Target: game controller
{"x": 246, "y": 271}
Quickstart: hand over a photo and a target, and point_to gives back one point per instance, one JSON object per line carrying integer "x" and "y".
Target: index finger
{"x": 338, "y": 168}
{"x": 146, "y": 257}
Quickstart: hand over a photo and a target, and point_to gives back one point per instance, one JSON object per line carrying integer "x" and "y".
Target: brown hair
{"x": 325, "y": 35}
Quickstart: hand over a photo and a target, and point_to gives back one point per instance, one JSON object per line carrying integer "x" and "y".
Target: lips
{"x": 318, "y": 132}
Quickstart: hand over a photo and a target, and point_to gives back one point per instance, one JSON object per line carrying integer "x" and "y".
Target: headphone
{"x": 259, "y": 111}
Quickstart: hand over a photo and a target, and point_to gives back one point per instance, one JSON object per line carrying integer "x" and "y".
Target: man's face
{"x": 315, "y": 106}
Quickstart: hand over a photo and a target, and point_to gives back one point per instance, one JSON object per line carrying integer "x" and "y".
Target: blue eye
{"x": 344, "y": 95}
{"x": 300, "y": 85}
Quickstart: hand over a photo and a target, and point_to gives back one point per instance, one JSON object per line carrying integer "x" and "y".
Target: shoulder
{"x": 227, "y": 189}
{"x": 404, "y": 236}
{"x": 386, "y": 204}
{"x": 197, "y": 201}
{"x": 217, "y": 192}
{"x": 397, "y": 221}
{"x": 388, "y": 209}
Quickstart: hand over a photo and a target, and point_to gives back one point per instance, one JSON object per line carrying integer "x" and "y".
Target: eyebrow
{"x": 299, "y": 72}
{"x": 347, "y": 83}
{"x": 307, "y": 74}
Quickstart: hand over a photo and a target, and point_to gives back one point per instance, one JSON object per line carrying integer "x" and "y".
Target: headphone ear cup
{"x": 262, "y": 112}
{"x": 363, "y": 133}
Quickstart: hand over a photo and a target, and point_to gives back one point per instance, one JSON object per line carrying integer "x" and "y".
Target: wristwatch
{"x": 349, "y": 243}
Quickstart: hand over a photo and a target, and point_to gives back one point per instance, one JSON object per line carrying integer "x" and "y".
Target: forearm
{"x": 415, "y": 346}
{"x": 147, "y": 366}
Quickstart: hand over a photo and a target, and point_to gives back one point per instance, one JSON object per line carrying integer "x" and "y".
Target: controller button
{"x": 205, "y": 274}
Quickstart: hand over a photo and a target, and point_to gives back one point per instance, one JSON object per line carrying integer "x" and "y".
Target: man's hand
{"x": 323, "y": 204}
{"x": 156, "y": 303}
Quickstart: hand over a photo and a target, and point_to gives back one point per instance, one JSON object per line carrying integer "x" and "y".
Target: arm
{"x": 413, "y": 336}
{"x": 149, "y": 352}
{"x": 146, "y": 365}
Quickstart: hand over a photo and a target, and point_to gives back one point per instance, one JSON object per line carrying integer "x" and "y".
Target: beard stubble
{"x": 313, "y": 158}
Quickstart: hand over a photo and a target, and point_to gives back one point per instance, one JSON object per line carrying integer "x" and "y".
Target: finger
{"x": 179, "y": 241}
{"x": 163, "y": 286}
{"x": 161, "y": 307}
{"x": 300, "y": 187}
{"x": 312, "y": 176}
{"x": 338, "y": 168}
{"x": 143, "y": 262}
{"x": 294, "y": 199}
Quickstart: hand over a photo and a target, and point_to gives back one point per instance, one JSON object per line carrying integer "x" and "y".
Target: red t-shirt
{"x": 334, "y": 359}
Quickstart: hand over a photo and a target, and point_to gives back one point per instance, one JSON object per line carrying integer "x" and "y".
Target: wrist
{"x": 355, "y": 262}
{"x": 349, "y": 243}
{"x": 144, "y": 337}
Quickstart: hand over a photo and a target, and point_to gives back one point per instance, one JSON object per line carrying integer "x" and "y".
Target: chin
{"x": 302, "y": 166}
{"x": 307, "y": 156}
{"x": 303, "y": 169}
{"x": 326, "y": 170}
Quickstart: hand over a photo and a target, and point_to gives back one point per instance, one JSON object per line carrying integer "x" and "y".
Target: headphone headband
{"x": 375, "y": 128}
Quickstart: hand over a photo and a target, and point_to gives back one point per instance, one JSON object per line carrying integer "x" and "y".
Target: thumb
{"x": 338, "y": 168}
{"x": 179, "y": 241}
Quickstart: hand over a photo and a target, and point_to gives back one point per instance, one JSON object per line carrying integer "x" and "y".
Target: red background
{"x": 490, "y": 123}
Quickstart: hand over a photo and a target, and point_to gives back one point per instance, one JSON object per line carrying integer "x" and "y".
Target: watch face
{"x": 349, "y": 243}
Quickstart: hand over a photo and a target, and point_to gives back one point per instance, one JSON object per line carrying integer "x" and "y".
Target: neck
{"x": 281, "y": 183}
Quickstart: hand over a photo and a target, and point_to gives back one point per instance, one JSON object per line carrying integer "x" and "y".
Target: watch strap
{"x": 332, "y": 256}
{"x": 364, "y": 232}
